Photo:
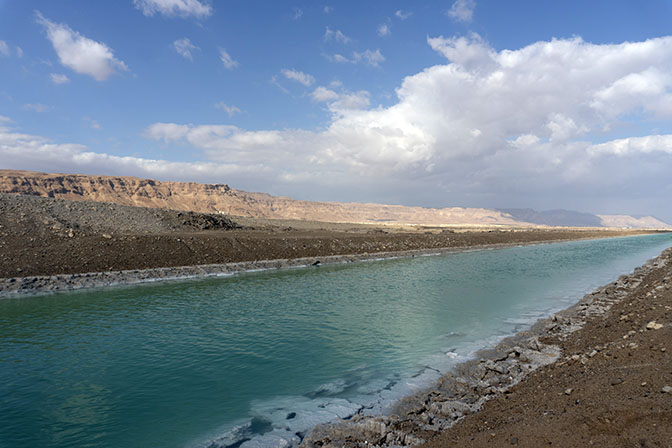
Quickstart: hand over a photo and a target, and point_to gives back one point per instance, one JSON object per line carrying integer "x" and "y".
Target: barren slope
{"x": 220, "y": 198}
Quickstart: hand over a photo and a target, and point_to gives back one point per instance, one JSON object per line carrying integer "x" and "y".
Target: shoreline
{"x": 15, "y": 287}
{"x": 470, "y": 385}
{"x": 421, "y": 418}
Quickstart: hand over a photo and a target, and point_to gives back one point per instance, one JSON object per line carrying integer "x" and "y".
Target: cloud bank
{"x": 539, "y": 126}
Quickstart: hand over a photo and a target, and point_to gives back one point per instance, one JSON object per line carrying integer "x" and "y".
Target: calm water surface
{"x": 265, "y": 355}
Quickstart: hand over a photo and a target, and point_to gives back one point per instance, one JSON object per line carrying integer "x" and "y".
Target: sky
{"x": 538, "y": 103}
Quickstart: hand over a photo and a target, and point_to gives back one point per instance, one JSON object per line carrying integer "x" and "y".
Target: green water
{"x": 262, "y": 356}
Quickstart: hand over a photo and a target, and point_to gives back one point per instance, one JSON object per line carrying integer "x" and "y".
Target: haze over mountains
{"x": 220, "y": 198}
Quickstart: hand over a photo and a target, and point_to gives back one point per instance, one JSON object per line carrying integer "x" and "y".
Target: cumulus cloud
{"x": 403, "y": 15}
{"x": 341, "y": 101}
{"x": 166, "y": 131}
{"x": 541, "y": 126}
{"x": 184, "y": 47}
{"x": 26, "y": 151}
{"x": 174, "y": 8}
{"x": 227, "y": 60}
{"x": 230, "y": 109}
{"x": 383, "y": 30}
{"x": 81, "y": 54}
{"x": 336, "y": 35}
{"x": 4, "y": 49}
{"x": 300, "y": 77}
{"x": 462, "y": 10}
{"x": 372, "y": 58}
{"x": 336, "y": 57}
{"x": 635, "y": 145}
{"x": 323, "y": 94}
{"x": 485, "y": 125}
{"x": 297, "y": 13}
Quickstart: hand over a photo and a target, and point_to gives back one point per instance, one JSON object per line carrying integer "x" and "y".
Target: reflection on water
{"x": 263, "y": 356}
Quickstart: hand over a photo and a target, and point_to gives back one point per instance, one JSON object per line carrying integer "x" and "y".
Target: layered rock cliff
{"x": 220, "y": 198}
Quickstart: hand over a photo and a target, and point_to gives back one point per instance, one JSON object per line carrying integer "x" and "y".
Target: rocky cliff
{"x": 220, "y": 198}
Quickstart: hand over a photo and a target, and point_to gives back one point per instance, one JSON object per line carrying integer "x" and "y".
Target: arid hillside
{"x": 220, "y": 198}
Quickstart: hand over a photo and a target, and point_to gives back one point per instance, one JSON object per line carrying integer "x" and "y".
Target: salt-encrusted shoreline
{"x": 468, "y": 386}
{"x": 32, "y": 285}
{"x": 423, "y": 415}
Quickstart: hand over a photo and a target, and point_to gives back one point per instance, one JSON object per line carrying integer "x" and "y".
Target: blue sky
{"x": 472, "y": 103}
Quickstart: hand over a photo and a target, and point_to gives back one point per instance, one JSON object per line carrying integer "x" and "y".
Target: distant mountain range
{"x": 570, "y": 218}
{"x": 220, "y": 198}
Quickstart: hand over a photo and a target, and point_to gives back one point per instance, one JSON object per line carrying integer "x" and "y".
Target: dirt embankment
{"x": 44, "y": 236}
{"x": 611, "y": 388}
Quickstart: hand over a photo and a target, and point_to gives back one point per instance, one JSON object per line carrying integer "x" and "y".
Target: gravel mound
{"x": 64, "y": 217}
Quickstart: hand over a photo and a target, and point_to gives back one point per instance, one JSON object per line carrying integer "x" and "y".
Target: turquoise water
{"x": 262, "y": 356}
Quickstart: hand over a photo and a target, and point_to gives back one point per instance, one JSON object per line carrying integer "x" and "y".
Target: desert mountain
{"x": 220, "y": 198}
{"x": 566, "y": 218}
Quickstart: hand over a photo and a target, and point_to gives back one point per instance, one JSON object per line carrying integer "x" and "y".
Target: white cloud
{"x": 229, "y": 109}
{"x": 59, "y": 78}
{"x": 227, "y": 60}
{"x": 184, "y": 47}
{"x": 341, "y": 101}
{"x": 4, "y": 49}
{"x": 634, "y": 146}
{"x": 19, "y": 52}
{"x": 166, "y": 131}
{"x": 298, "y": 76}
{"x": 336, "y": 35}
{"x": 528, "y": 127}
{"x": 174, "y": 8}
{"x": 403, "y": 15}
{"x": 336, "y": 57}
{"x": 352, "y": 101}
{"x": 80, "y": 53}
{"x": 373, "y": 58}
{"x": 26, "y": 151}
{"x": 322, "y": 94}
{"x": 383, "y": 30}
{"x": 468, "y": 52}
{"x": 36, "y": 107}
{"x": 298, "y": 13}
{"x": 328, "y": 9}
{"x": 506, "y": 127}
{"x": 462, "y": 10}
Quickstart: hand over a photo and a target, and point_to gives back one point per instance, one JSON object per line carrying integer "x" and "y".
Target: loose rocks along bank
{"x": 597, "y": 374}
{"x": 44, "y": 237}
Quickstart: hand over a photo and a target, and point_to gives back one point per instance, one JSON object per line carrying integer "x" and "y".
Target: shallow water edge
{"x": 34, "y": 285}
{"x": 464, "y": 390}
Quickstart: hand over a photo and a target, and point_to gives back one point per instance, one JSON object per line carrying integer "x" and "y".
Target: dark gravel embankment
{"x": 45, "y": 236}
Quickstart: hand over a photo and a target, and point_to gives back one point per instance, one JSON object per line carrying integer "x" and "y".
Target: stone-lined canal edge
{"x": 424, "y": 415}
{"x": 34, "y": 285}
